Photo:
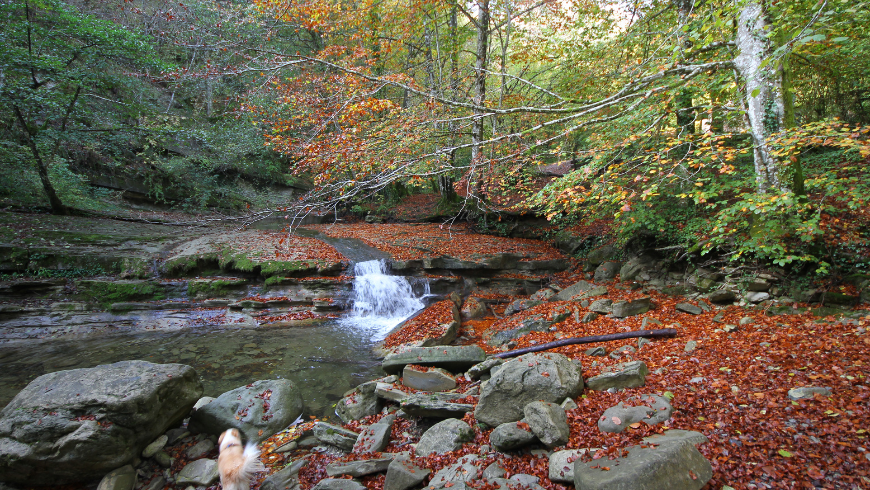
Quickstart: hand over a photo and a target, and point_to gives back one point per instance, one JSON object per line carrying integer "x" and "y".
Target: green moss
{"x": 186, "y": 264}
{"x": 135, "y": 267}
{"x": 107, "y": 292}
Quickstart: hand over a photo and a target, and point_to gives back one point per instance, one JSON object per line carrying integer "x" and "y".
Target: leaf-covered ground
{"x": 425, "y": 240}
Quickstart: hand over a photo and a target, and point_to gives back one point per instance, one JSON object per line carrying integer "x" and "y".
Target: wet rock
{"x": 607, "y": 271}
{"x": 163, "y": 459}
{"x": 338, "y": 484}
{"x": 808, "y": 392}
{"x": 511, "y": 435}
{"x": 434, "y": 379}
{"x": 200, "y": 472}
{"x": 447, "y": 435}
{"x": 156, "y": 483}
{"x": 689, "y": 308}
{"x": 532, "y": 377}
{"x": 548, "y": 422}
{"x": 453, "y": 358}
{"x": 335, "y": 435}
{"x": 360, "y": 402}
{"x": 123, "y": 478}
{"x": 258, "y": 410}
{"x": 561, "y": 465}
{"x": 80, "y": 424}
{"x": 672, "y": 466}
{"x": 403, "y": 474}
{"x": 359, "y": 467}
{"x": 621, "y": 376}
{"x": 572, "y": 291}
{"x": 602, "y": 306}
{"x": 463, "y": 471}
{"x": 654, "y": 410}
{"x": 722, "y": 296}
{"x": 622, "y": 309}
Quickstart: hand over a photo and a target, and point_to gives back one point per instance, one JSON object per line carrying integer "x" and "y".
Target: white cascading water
{"x": 381, "y": 301}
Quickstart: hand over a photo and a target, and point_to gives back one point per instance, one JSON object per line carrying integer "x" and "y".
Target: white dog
{"x": 236, "y": 465}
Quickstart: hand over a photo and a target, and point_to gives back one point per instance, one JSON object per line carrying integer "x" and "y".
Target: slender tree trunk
{"x": 685, "y": 115}
{"x": 480, "y": 65}
{"x": 57, "y": 206}
{"x": 454, "y": 71}
{"x": 763, "y": 92}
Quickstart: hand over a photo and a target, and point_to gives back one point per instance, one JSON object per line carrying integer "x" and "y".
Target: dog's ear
{"x": 221, "y": 438}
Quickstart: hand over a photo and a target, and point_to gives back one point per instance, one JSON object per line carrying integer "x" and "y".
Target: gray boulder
{"x": 653, "y": 410}
{"x": 631, "y": 269}
{"x": 455, "y": 359}
{"x": 543, "y": 294}
{"x": 472, "y": 309}
{"x": 478, "y": 370}
{"x": 447, "y": 435}
{"x": 123, "y": 478}
{"x": 808, "y": 392}
{"x": 561, "y": 465}
{"x": 80, "y": 424}
{"x": 677, "y": 435}
{"x": 360, "y": 467}
{"x": 671, "y": 466}
{"x": 510, "y": 435}
{"x": 520, "y": 305}
{"x": 463, "y": 471}
{"x": 338, "y": 484}
{"x": 335, "y": 435}
{"x": 202, "y": 472}
{"x": 602, "y": 306}
{"x": 435, "y": 379}
{"x": 548, "y": 422}
{"x": 622, "y": 309}
{"x": 258, "y": 410}
{"x": 534, "y": 323}
{"x": 689, "y": 308}
{"x": 403, "y": 474}
{"x": 285, "y": 479}
{"x": 572, "y": 291}
{"x": 432, "y": 405}
{"x": 722, "y": 296}
{"x": 532, "y": 377}
{"x": 360, "y": 402}
{"x": 756, "y": 296}
{"x": 374, "y": 438}
{"x": 624, "y": 375}
{"x": 601, "y": 254}
{"x": 607, "y": 271}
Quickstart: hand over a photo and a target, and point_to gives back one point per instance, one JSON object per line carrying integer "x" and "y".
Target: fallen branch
{"x": 662, "y": 332}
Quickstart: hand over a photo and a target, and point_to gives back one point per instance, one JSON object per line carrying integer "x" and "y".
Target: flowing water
{"x": 325, "y": 358}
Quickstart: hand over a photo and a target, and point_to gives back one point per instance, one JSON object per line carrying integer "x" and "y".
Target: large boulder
{"x": 360, "y": 402}
{"x": 532, "y": 377}
{"x": 258, "y": 410}
{"x": 80, "y": 424}
{"x": 447, "y": 435}
{"x": 671, "y": 466}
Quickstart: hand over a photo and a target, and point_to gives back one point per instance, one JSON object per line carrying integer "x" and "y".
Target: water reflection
{"x": 322, "y": 358}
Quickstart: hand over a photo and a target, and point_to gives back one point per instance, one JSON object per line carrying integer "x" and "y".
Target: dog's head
{"x": 231, "y": 437}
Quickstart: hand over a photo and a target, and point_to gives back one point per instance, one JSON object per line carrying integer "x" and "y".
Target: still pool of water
{"x": 324, "y": 359}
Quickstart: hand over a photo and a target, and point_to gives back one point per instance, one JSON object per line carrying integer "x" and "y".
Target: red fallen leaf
{"x": 616, "y": 420}
{"x": 815, "y": 473}
{"x": 448, "y": 485}
{"x": 692, "y": 475}
{"x": 605, "y": 468}
{"x": 545, "y": 374}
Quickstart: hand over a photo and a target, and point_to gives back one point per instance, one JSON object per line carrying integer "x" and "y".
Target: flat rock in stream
{"x": 78, "y": 425}
{"x": 455, "y": 359}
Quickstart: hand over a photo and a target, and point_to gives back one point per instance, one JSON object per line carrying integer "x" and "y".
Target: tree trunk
{"x": 685, "y": 114}
{"x": 57, "y": 206}
{"x": 480, "y": 65}
{"x": 763, "y": 92}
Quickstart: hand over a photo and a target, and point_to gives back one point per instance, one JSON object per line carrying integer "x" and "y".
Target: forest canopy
{"x": 731, "y": 127}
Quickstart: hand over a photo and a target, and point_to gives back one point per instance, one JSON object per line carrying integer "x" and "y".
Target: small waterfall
{"x": 381, "y": 301}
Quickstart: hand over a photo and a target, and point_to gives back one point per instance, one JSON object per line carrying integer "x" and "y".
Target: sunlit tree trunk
{"x": 763, "y": 92}
{"x": 480, "y": 65}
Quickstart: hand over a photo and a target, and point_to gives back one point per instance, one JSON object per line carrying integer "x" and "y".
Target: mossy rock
{"x": 108, "y": 292}
{"x": 135, "y": 268}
